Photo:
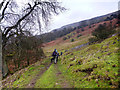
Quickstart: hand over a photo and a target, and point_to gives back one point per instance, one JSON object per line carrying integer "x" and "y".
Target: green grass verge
{"x": 22, "y": 80}
{"x": 26, "y": 77}
{"x": 95, "y": 66}
{"x": 48, "y": 79}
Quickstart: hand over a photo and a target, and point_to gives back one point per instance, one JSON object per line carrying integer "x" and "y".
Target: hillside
{"x": 92, "y": 66}
{"x": 82, "y": 54}
{"x": 81, "y": 66}
{"x": 76, "y": 34}
{"x": 89, "y": 25}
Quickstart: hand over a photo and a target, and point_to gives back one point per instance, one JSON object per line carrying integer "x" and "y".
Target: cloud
{"x": 90, "y": 0}
{"x": 79, "y": 10}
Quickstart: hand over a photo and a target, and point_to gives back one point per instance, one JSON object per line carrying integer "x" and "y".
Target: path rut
{"x": 61, "y": 79}
{"x": 33, "y": 81}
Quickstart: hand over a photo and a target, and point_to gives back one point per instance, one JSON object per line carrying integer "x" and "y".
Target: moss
{"x": 48, "y": 79}
{"x": 104, "y": 55}
{"x": 98, "y": 67}
{"x": 26, "y": 77}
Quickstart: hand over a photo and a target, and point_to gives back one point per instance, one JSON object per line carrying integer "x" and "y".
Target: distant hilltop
{"x": 56, "y": 33}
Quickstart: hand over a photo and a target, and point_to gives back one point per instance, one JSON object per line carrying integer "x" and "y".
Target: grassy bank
{"x": 48, "y": 79}
{"x": 95, "y": 66}
{"x": 22, "y": 78}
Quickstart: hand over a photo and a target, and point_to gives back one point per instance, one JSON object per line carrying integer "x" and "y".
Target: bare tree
{"x": 15, "y": 21}
{"x": 40, "y": 11}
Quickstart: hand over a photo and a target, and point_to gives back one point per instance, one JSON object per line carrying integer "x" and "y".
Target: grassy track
{"x": 52, "y": 78}
{"x": 93, "y": 66}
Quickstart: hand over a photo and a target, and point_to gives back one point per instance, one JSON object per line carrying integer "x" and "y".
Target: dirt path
{"x": 61, "y": 79}
{"x": 33, "y": 81}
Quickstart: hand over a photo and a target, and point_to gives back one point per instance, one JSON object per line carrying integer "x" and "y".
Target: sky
{"x": 78, "y": 10}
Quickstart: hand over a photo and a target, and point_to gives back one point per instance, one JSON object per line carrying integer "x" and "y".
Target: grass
{"x": 21, "y": 80}
{"x": 92, "y": 66}
{"x": 98, "y": 65}
{"x": 52, "y": 78}
{"x": 27, "y": 77}
{"x": 48, "y": 79}
{"x": 66, "y": 45}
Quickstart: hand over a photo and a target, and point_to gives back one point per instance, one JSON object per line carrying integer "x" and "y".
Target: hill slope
{"x": 86, "y": 25}
{"x": 91, "y": 66}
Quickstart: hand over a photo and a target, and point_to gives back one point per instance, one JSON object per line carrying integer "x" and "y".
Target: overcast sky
{"x": 79, "y": 10}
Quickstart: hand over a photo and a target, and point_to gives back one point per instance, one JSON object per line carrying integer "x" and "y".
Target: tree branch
{"x": 3, "y": 12}
{"x": 19, "y": 21}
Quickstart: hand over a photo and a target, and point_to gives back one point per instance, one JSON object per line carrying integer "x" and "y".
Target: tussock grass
{"x": 66, "y": 45}
{"x": 22, "y": 78}
{"x": 94, "y": 66}
{"x": 48, "y": 79}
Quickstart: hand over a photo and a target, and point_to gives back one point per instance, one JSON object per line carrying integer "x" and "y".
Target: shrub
{"x": 114, "y": 26}
{"x": 89, "y": 26}
{"x": 107, "y": 19}
{"x": 110, "y": 21}
{"x": 82, "y": 29}
{"x": 79, "y": 35}
{"x": 74, "y": 28}
{"x": 64, "y": 38}
{"x": 103, "y": 32}
{"x": 93, "y": 26}
{"x": 72, "y": 40}
{"x": 77, "y": 31}
{"x": 73, "y": 33}
{"x": 79, "y": 27}
{"x": 69, "y": 36}
{"x": 92, "y": 40}
{"x": 118, "y": 22}
{"x": 104, "y": 23}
